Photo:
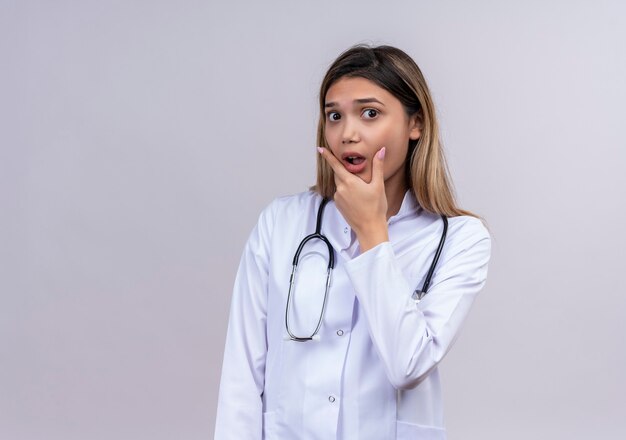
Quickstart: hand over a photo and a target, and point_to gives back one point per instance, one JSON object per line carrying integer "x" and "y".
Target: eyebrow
{"x": 358, "y": 101}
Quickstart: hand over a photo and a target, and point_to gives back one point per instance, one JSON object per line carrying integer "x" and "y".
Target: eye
{"x": 333, "y": 116}
{"x": 370, "y": 113}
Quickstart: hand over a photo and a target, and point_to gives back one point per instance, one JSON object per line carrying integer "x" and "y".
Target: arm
{"x": 240, "y": 408}
{"x": 412, "y": 339}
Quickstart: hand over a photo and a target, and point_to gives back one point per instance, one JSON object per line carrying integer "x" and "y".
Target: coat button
{"x": 339, "y": 332}
{"x": 331, "y": 399}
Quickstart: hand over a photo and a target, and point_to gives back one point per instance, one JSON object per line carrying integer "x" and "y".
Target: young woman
{"x": 338, "y": 336}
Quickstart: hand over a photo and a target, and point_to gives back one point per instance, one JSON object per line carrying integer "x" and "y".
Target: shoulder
{"x": 466, "y": 226}
{"x": 461, "y": 229}
{"x": 295, "y": 201}
{"x": 280, "y": 213}
{"x": 291, "y": 204}
{"x": 289, "y": 207}
{"x": 467, "y": 233}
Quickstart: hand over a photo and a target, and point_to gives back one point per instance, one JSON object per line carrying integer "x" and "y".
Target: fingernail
{"x": 381, "y": 153}
{"x": 320, "y": 149}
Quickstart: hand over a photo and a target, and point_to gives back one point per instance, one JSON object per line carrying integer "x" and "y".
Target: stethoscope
{"x": 417, "y": 296}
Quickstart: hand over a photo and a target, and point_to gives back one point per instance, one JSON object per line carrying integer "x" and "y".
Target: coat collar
{"x": 339, "y": 232}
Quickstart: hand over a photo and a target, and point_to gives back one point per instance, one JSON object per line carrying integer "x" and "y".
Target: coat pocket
{"x": 410, "y": 431}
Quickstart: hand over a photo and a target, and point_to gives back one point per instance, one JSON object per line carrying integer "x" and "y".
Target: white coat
{"x": 373, "y": 373}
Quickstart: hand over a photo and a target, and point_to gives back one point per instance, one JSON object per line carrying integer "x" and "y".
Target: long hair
{"x": 427, "y": 173}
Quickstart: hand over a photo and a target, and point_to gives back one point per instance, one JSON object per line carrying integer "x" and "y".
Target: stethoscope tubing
{"x": 331, "y": 265}
{"x": 317, "y": 235}
{"x": 431, "y": 270}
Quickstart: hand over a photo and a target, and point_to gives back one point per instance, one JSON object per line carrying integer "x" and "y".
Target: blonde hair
{"x": 427, "y": 172}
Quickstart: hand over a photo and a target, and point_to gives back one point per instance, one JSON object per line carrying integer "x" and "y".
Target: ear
{"x": 415, "y": 125}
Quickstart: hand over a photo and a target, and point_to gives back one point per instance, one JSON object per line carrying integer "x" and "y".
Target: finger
{"x": 378, "y": 167}
{"x": 338, "y": 168}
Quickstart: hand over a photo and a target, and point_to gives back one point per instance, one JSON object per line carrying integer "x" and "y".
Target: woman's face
{"x": 361, "y": 118}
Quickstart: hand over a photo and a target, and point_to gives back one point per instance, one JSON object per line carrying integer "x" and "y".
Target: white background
{"x": 139, "y": 140}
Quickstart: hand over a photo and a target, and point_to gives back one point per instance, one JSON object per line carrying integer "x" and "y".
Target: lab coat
{"x": 372, "y": 375}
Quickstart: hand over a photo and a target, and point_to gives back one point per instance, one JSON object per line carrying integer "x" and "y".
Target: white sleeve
{"x": 412, "y": 339}
{"x": 240, "y": 409}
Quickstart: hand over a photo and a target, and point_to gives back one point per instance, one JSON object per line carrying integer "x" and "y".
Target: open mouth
{"x": 355, "y": 160}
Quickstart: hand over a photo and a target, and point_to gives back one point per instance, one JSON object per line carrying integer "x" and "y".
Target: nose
{"x": 350, "y": 133}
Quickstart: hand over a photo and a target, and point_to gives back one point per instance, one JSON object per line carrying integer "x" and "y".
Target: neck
{"x": 395, "y": 195}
